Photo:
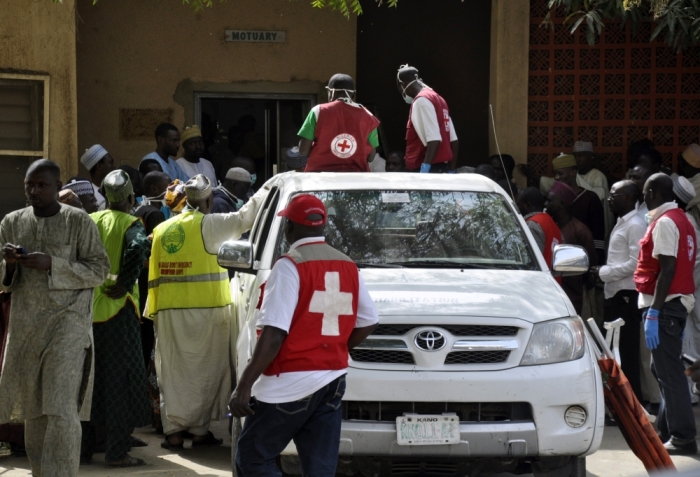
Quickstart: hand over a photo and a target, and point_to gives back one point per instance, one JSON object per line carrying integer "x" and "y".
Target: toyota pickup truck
{"x": 479, "y": 363}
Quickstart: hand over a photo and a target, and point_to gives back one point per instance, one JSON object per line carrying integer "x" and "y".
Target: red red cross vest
{"x": 415, "y": 150}
{"x": 325, "y": 315}
{"x": 647, "y": 271}
{"x": 552, "y": 235}
{"x": 341, "y": 143}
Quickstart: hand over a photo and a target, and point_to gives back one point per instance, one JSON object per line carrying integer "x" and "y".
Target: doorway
{"x": 258, "y": 126}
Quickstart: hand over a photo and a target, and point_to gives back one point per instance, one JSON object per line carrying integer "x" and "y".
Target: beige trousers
{"x": 53, "y": 445}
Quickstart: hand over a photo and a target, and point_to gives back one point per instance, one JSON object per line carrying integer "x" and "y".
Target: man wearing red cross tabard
{"x": 431, "y": 140}
{"x": 315, "y": 308}
{"x": 341, "y": 135}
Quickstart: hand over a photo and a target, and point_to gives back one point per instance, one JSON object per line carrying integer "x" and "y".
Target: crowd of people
{"x": 117, "y": 303}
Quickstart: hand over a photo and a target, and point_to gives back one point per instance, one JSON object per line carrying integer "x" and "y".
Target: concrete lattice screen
{"x": 618, "y": 91}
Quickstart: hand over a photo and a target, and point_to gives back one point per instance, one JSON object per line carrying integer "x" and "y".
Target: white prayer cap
{"x": 239, "y": 174}
{"x": 583, "y": 146}
{"x": 198, "y": 188}
{"x": 92, "y": 156}
{"x": 683, "y": 189}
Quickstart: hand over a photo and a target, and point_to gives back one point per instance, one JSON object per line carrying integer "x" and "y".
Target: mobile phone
{"x": 21, "y": 250}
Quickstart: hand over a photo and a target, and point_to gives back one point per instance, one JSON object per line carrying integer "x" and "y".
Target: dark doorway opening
{"x": 260, "y": 127}
{"x": 450, "y": 43}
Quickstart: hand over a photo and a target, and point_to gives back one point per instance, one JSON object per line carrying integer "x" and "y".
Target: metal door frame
{"x": 277, "y": 97}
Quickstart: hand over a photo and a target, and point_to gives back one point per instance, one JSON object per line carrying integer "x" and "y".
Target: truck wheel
{"x": 575, "y": 467}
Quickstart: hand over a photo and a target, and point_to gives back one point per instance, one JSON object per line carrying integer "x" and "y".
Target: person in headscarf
{"x": 99, "y": 163}
{"x": 120, "y": 396}
{"x": 68, "y": 197}
{"x": 85, "y": 192}
{"x": 189, "y": 301}
{"x": 574, "y": 232}
{"x": 192, "y": 161}
{"x": 53, "y": 258}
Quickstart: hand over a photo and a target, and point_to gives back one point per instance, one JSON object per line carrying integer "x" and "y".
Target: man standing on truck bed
{"x": 431, "y": 140}
{"x": 340, "y": 135}
{"x": 315, "y": 308}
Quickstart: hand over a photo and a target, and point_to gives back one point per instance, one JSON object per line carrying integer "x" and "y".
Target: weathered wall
{"x": 135, "y": 54}
{"x": 509, "y": 72}
{"x": 39, "y": 37}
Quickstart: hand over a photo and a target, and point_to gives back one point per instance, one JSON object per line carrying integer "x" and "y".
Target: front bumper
{"x": 550, "y": 390}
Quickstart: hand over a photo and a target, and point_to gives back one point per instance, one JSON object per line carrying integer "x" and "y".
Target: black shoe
{"x": 677, "y": 447}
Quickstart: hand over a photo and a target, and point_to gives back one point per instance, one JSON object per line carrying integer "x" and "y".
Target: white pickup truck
{"x": 479, "y": 363}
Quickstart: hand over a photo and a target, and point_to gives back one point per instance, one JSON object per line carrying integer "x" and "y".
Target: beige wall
{"x": 39, "y": 37}
{"x": 136, "y": 54}
{"x": 510, "y": 33}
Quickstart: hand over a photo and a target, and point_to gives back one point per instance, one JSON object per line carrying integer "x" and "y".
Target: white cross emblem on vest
{"x": 332, "y": 303}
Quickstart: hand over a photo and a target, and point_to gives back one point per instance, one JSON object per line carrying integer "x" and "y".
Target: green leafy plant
{"x": 343, "y": 6}
{"x": 677, "y": 21}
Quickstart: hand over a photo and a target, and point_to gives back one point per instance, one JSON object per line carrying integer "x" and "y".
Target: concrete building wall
{"x": 155, "y": 55}
{"x": 38, "y": 37}
{"x": 509, "y": 75}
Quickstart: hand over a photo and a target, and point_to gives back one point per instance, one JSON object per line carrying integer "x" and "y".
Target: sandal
{"x": 127, "y": 461}
{"x": 166, "y": 444}
{"x": 208, "y": 441}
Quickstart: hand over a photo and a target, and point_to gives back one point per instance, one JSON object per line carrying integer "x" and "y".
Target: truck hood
{"x": 532, "y": 296}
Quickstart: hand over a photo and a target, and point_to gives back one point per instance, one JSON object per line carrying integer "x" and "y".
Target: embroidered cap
{"x": 117, "y": 186}
{"x": 683, "y": 189}
{"x": 564, "y": 192}
{"x": 301, "y": 207}
{"x": 80, "y": 187}
{"x": 92, "y": 156}
{"x": 563, "y": 161}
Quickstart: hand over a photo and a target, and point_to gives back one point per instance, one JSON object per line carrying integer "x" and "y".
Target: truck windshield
{"x": 424, "y": 229}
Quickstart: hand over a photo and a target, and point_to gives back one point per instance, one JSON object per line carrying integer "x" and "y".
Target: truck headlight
{"x": 554, "y": 342}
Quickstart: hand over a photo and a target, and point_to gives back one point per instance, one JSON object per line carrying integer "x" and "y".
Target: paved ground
{"x": 613, "y": 460}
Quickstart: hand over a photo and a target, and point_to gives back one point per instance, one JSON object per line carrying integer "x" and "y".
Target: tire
{"x": 574, "y": 467}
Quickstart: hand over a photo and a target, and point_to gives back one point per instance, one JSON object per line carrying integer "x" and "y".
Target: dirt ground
{"x": 614, "y": 459}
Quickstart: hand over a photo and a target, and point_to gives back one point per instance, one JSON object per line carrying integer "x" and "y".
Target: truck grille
{"x": 477, "y": 357}
{"x": 380, "y": 356}
{"x": 456, "y": 330}
{"x": 467, "y": 411}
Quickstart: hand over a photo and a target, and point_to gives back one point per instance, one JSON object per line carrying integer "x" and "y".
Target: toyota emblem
{"x": 430, "y": 340}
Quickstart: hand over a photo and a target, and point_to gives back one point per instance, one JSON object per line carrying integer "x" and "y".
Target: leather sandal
{"x": 166, "y": 444}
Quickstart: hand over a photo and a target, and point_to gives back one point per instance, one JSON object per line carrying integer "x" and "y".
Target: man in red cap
{"x": 574, "y": 232}
{"x": 315, "y": 308}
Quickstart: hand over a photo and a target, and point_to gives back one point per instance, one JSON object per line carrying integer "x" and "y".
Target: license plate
{"x": 427, "y": 430}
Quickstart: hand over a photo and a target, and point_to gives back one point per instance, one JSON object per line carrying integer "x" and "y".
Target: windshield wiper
{"x": 377, "y": 265}
{"x": 444, "y": 264}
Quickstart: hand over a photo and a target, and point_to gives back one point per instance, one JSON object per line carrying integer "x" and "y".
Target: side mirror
{"x": 236, "y": 254}
{"x": 569, "y": 260}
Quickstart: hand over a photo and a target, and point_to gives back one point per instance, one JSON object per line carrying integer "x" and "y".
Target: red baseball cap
{"x": 301, "y": 206}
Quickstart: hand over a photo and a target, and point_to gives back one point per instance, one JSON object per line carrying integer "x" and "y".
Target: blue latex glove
{"x": 651, "y": 328}
{"x": 450, "y": 172}
{"x": 424, "y": 168}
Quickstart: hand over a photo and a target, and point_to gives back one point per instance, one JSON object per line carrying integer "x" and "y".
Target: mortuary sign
{"x": 256, "y": 36}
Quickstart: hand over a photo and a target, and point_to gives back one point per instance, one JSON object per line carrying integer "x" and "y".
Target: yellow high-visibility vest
{"x": 112, "y": 226}
{"x": 181, "y": 273}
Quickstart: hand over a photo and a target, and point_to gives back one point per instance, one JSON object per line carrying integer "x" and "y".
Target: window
{"x": 424, "y": 229}
{"x": 23, "y": 115}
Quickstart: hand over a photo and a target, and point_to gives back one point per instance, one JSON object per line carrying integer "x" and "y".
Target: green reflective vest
{"x": 182, "y": 274}
{"x": 112, "y": 226}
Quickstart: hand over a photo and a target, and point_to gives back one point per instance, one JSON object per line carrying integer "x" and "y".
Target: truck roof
{"x": 322, "y": 181}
